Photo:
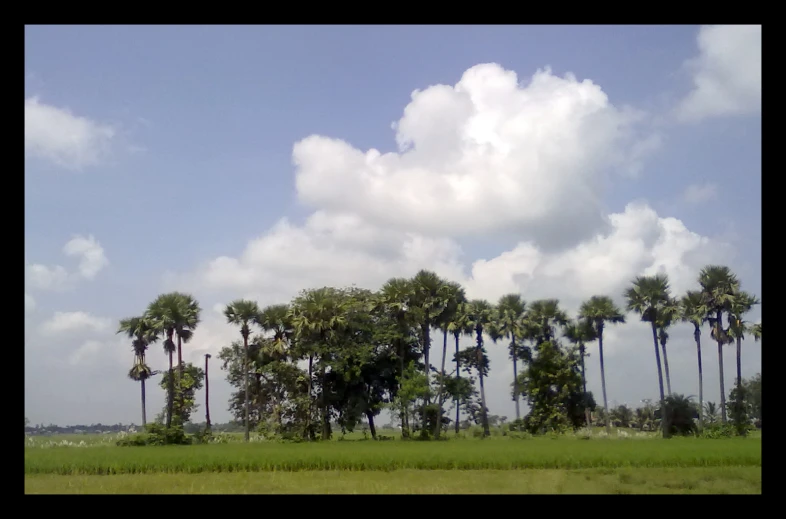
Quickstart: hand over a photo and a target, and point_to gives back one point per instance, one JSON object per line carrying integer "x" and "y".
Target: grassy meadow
{"x": 623, "y": 463}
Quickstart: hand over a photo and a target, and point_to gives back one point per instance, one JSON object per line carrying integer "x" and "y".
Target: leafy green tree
{"x": 474, "y": 358}
{"x": 191, "y": 381}
{"x": 508, "y": 323}
{"x": 623, "y": 415}
{"x": 543, "y": 320}
{"x": 680, "y": 413}
{"x": 718, "y": 286}
{"x": 244, "y": 313}
{"x": 600, "y": 310}
{"x": 711, "y": 412}
{"x": 428, "y": 301}
{"x": 694, "y": 311}
{"x": 741, "y": 303}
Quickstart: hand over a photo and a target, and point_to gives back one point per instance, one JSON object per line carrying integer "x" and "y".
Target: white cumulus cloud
{"x": 91, "y": 255}
{"x": 726, "y": 73}
{"x": 63, "y": 138}
{"x": 66, "y": 322}
{"x": 486, "y": 154}
{"x": 46, "y": 278}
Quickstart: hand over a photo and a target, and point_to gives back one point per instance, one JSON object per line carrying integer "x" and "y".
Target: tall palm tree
{"x": 508, "y": 323}
{"x": 453, "y": 295}
{"x": 718, "y": 286}
{"x": 318, "y": 316}
{"x": 143, "y": 333}
{"x": 741, "y": 304}
{"x": 543, "y": 318}
{"x": 481, "y": 316}
{"x": 174, "y": 314}
{"x": 244, "y": 313}
{"x": 580, "y": 333}
{"x": 394, "y": 299}
{"x": 756, "y": 332}
{"x": 460, "y": 324}
{"x": 646, "y": 297}
{"x": 666, "y": 317}
{"x": 600, "y": 310}
{"x": 428, "y": 290}
{"x": 278, "y": 320}
{"x": 694, "y": 311}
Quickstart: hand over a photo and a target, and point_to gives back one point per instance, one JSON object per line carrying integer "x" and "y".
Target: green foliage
{"x": 185, "y": 392}
{"x": 157, "y": 434}
{"x": 718, "y": 431}
{"x": 680, "y": 415}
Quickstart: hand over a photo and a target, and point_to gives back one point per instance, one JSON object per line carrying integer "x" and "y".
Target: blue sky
{"x": 166, "y": 148}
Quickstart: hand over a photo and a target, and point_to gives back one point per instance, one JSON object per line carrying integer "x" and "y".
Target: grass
{"x": 726, "y": 480}
{"x": 503, "y": 454}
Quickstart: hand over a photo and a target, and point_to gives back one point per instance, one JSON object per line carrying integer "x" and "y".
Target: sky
{"x": 257, "y": 161}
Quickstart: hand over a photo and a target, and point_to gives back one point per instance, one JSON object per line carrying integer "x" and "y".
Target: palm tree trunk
{"x": 515, "y": 377}
{"x": 438, "y": 425}
{"x": 458, "y": 377}
{"x": 144, "y": 410}
{"x": 207, "y": 395}
{"x": 603, "y": 380}
{"x": 739, "y": 362}
{"x": 484, "y": 413}
{"x": 587, "y": 414}
{"x": 171, "y": 390}
{"x": 426, "y": 351}
{"x": 310, "y": 392}
{"x": 247, "y": 436}
{"x": 697, "y": 337}
{"x": 663, "y": 414}
{"x": 180, "y": 395}
{"x": 325, "y": 416}
{"x": 719, "y": 339}
{"x": 666, "y": 368}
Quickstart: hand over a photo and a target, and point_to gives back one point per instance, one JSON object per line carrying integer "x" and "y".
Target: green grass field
{"x": 498, "y": 465}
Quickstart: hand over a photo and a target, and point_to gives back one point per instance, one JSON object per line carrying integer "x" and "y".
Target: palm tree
{"x": 428, "y": 291}
{"x": 453, "y": 295}
{"x": 543, "y": 318}
{"x": 143, "y": 333}
{"x": 481, "y": 315}
{"x": 741, "y": 304}
{"x": 460, "y": 324}
{"x": 243, "y": 312}
{"x": 508, "y": 323}
{"x": 394, "y": 300}
{"x": 718, "y": 286}
{"x": 756, "y": 332}
{"x": 694, "y": 311}
{"x": 277, "y": 319}
{"x": 317, "y": 316}
{"x": 580, "y": 333}
{"x": 666, "y": 316}
{"x": 646, "y": 296}
{"x": 600, "y": 310}
{"x": 177, "y": 314}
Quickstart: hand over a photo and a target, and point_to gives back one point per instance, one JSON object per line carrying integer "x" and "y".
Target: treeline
{"x": 362, "y": 351}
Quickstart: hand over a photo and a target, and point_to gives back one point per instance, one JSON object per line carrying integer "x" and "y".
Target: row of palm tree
{"x": 427, "y": 302}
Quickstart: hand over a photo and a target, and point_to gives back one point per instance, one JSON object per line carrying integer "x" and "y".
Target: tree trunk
{"x": 603, "y": 379}
{"x": 426, "y": 350}
{"x": 260, "y": 403}
{"x": 310, "y": 392}
{"x": 144, "y": 410}
{"x": 438, "y": 425}
{"x": 247, "y": 436}
{"x": 170, "y": 404}
{"x": 484, "y": 413}
{"x": 325, "y": 416}
{"x": 666, "y": 368}
{"x": 207, "y": 395}
{"x": 719, "y": 339}
{"x": 697, "y": 337}
{"x": 515, "y": 377}
{"x": 180, "y": 395}
{"x": 587, "y": 414}
{"x": 371, "y": 427}
{"x": 458, "y": 376}
{"x": 739, "y": 361}
{"x": 660, "y": 381}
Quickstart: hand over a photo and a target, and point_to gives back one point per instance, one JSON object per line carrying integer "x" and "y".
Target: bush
{"x": 157, "y": 434}
{"x": 718, "y": 431}
{"x": 680, "y": 413}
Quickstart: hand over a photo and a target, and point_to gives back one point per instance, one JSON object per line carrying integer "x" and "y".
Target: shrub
{"x": 157, "y": 434}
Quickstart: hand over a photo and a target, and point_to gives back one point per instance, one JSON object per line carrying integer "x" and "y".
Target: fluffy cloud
{"x": 92, "y": 260}
{"x": 487, "y": 154}
{"x": 90, "y": 253}
{"x": 67, "y": 140}
{"x": 700, "y": 193}
{"x": 67, "y": 322}
{"x": 29, "y": 303}
{"x": 726, "y": 73}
